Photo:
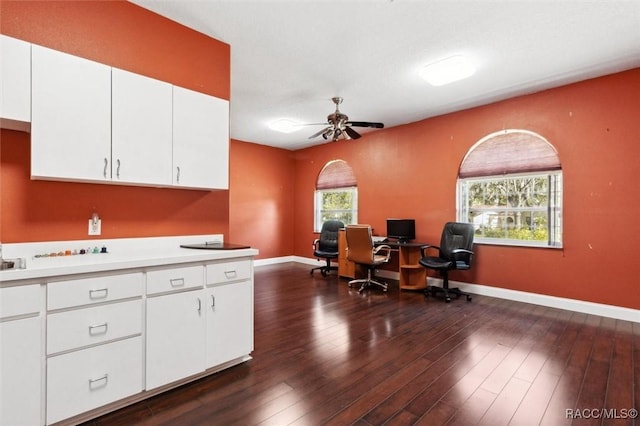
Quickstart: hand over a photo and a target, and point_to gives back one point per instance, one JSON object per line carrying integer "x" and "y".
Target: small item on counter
{"x": 83, "y": 251}
{"x": 67, "y": 252}
{"x": 103, "y": 249}
{"x": 96, "y": 250}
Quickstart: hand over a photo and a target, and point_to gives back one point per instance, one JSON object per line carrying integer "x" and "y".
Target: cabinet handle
{"x": 118, "y": 168}
{"x": 100, "y": 293}
{"x": 199, "y": 305}
{"x": 104, "y": 327}
{"x": 178, "y": 174}
{"x": 106, "y": 163}
{"x": 92, "y": 382}
{"x": 230, "y": 274}
{"x": 213, "y": 301}
{"x": 177, "y": 282}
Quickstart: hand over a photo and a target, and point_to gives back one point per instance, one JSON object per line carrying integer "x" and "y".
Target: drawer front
{"x": 87, "y": 326}
{"x": 19, "y": 300}
{"x": 84, "y": 380}
{"x": 165, "y": 280}
{"x": 228, "y": 271}
{"x": 86, "y": 291}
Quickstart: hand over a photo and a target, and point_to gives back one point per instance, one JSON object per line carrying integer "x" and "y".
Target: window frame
{"x": 553, "y": 208}
{"x": 319, "y": 211}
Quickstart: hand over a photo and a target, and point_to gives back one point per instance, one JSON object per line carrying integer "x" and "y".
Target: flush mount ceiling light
{"x": 447, "y": 70}
{"x": 284, "y": 125}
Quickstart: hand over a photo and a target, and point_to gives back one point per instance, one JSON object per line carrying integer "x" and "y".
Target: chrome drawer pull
{"x": 177, "y": 282}
{"x": 199, "y": 305}
{"x": 230, "y": 274}
{"x": 100, "y": 293}
{"x": 104, "y": 327}
{"x": 213, "y": 301}
{"x": 93, "y": 385}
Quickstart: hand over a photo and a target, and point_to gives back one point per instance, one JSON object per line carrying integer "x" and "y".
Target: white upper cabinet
{"x": 15, "y": 83}
{"x": 200, "y": 140}
{"x": 141, "y": 129}
{"x": 92, "y": 123}
{"x": 71, "y": 117}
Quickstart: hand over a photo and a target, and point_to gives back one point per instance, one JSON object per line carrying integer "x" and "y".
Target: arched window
{"x": 510, "y": 188}
{"x": 336, "y": 195}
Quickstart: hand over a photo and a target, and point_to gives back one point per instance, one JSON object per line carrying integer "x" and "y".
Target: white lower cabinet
{"x": 94, "y": 342}
{"x": 229, "y": 322}
{"x": 107, "y": 338}
{"x": 175, "y": 347}
{"x": 20, "y": 372}
{"x": 86, "y": 379}
{"x": 21, "y": 355}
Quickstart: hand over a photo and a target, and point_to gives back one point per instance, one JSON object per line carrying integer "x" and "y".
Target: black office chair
{"x": 326, "y": 247}
{"x": 454, "y": 253}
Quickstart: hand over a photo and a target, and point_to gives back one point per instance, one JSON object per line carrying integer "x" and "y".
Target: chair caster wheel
{"x": 447, "y": 299}
{"x": 324, "y": 273}
{"x": 468, "y": 298}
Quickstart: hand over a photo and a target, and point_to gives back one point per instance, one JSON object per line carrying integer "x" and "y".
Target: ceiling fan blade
{"x": 365, "y": 124}
{"x": 352, "y": 133}
{"x": 315, "y": 135}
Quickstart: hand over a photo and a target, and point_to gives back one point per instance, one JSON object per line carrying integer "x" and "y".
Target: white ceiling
{"x": 290, "y": 57}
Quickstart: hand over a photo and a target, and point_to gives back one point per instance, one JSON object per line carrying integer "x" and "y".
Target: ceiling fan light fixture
{"x": 284, "y": 125}
{"x": 447, "y": 70}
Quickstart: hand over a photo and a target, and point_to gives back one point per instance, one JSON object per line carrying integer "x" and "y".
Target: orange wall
{"x": 406, "y": 171}
{"x": 261, "y": 196}
{"x": 411, "y": 170}
{"x": 126, "y": 36}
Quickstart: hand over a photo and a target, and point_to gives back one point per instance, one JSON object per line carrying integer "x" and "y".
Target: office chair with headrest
{"x": 454, "y": 253}
{"x": 326, "y": 247}
{"x": 361, "y": 250}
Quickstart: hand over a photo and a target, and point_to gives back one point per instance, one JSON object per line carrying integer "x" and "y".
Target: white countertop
{"x": 121, "y": 254}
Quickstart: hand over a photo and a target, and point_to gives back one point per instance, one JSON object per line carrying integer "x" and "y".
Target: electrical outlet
{"x": 95, "y": 226}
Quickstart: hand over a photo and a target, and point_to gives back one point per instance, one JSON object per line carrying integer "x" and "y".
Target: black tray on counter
{"x": 215, "y": 246}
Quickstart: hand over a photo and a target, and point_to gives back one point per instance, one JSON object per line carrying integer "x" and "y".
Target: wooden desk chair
{"x": 360, "y": 250}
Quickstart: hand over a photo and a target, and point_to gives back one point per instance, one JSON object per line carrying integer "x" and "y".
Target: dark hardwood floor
{"x": 325, "y": 354}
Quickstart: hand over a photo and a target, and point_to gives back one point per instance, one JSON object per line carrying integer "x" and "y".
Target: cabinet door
{"x": 20, "y": 372}
{"x": 200, "y": 140}
{"x": 15, "y": 83}
{"x": 175, "y": 330}
{"x": 71, "y": 117}
{"x": 229, "y": 322}
{"x": 141, "y": 129}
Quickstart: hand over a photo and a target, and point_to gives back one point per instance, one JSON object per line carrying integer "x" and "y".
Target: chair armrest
{"x": 465, "y": 251}
{"x": 383, "y": 247}
{"x": 315, "y": 243}
{"x": 423, "y": 249}
{"x": 462, "y": 254}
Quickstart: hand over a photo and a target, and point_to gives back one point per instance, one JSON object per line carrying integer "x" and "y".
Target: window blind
{"x": 336, "y": 174}
{"x": 509, "y": 151}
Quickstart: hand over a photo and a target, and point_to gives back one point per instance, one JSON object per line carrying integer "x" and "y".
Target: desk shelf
{"x": 412, "y": 275}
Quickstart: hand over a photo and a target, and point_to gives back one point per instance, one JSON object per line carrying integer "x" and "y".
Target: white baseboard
{"x": 609, "y": 311}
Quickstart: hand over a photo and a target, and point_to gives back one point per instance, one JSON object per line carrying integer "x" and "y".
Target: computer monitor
{"x": 403, "y": 230}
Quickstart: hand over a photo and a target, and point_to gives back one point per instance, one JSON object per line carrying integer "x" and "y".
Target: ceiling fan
{"x": 340, "y": 126}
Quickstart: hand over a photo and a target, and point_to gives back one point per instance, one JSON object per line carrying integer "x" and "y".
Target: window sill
{"x": 512, "y": 243}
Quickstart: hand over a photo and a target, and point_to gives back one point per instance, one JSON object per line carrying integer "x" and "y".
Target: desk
{"x": 412, "y": 275}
